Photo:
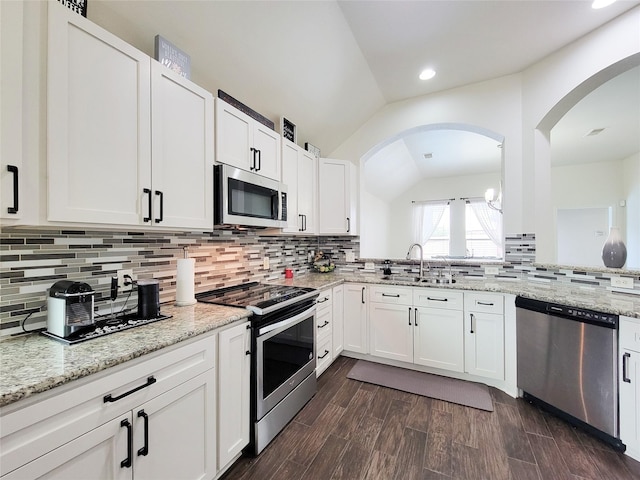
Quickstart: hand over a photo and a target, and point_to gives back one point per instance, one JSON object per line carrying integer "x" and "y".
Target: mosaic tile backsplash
{"x": 32, "y": 260}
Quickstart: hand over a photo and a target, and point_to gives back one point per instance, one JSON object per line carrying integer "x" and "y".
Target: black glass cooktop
{"x": 260, "y": 298}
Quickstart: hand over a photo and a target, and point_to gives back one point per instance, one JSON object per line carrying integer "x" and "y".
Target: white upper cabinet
{"x": 182, "y": 151}
{"x": 299, "y": 176}
{"x": 12, "y": 192}
{"x": 127, "y": 144}
{"x": 245, "y": 143}
{"x": 337, "y": 197}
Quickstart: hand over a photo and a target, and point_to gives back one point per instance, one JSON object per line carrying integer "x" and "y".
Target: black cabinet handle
{"x": 348, "y": 224}
{"x": 161, "y": 195}
{"x": 148, "y": 192}
{"x": 396, "y": 295}
{"x": 415, "y": 317}
{"x": 410, "y": 315}
{"x": 304, "y": 223}
{"x": 362, "y": 294}
{"x": 259, "y": 160}
{"x": 625, "y": 367}
{"x": 483, "y": 303}
{"x": 253, "y": 159}
{"x": 326, "y": 352}
{"x": 126, "y": 463}
{"x": 13, "y": 169}
{"x": 145, "y": 449}
{"x": 301, "y": 229}
{"x": 472, "y": 319}
{"x": 248, "y": 352}
{"x": 325, "y": 299}
{"x": 323, "y": 325}
{"x": 150, "y": 381}
{"x": 438, "y": 299}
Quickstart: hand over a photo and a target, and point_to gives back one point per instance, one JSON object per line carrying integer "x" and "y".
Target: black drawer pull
{"x": 13, "y": 169}
{"x": 126, "y": 463}
{"x": 625, "y": 367}
{"x": 150, "y": 381}
{"x": 486, "y": 304}
{"x": 148, "y": 192}
{"x": 410, "y": 315}
{"x": 144, "y": 450}
{"x": 326, "y": 352}
{"x": 323, "y": 325}
{"x": 396, "y": 295}
{"x": 325, "y": 299}
{"x": 161, "y": 195}
{"x": 471, "y": 322}
{"x": 438, "y": 299}
{"x": 362, "y": 294}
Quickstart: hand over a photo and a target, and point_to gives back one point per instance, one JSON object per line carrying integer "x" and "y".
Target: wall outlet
{"x": 122, "y": 281}
{"x": 491, "y": 270}
{"x": 350, "y": 257}
{"x": 622, "y": 282}
{"x": 265, "y": 263}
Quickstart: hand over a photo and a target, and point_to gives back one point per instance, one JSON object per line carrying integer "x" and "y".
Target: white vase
{"x": 614, "y": 251}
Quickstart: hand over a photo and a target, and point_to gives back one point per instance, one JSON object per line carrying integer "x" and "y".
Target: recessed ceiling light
{"x": 601, "y": 3}
{"x": 427, "y": 73}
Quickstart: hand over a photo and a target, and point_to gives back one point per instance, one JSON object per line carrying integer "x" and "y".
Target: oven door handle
{"x": 286, "y": 323}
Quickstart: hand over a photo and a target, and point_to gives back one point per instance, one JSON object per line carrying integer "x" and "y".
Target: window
{"x": 459, "y": 228}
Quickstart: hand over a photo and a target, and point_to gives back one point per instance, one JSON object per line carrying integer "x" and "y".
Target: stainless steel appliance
{"x": 69, "y": 308}
{"x": 283, "y": 377}
{"x": 248, "y": 199}
{"x": 567, "y": 363}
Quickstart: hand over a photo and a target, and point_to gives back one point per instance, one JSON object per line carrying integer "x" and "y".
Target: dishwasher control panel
{"x": 583, "y": 314}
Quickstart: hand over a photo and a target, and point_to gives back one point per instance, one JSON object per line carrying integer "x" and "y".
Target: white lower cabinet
{"x": 234, "y": 364}
{"x": 484, "y": 335}
{"x": 356, "y": 321}
{"x": 629, "y": 368}
{"x": 391, "y": 331}
{"x": 338, "y": 320}
{"x": 324, "y": 330}
{"x": 150, "y": 419}
{"x": 439, "y": 338}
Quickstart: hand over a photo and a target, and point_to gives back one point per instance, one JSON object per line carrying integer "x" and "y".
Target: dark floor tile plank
{"x": 522, "y": 470}
{"x": 515, "y": 440}
{"x": 353, "y": 464}
{"x": 353, "y": 415}
{"x": 579, "y": 461}
{"x": 533, "y": 420}
{"x": 305, "y": 450}
{"x": 289, "y": 470}
{"x": 381, "y": 402}
{"x": 368, "y": 431}
{"x": 312, "y": 410}
{"x": 393, "y": 427}
{"x": 548, "y": 458}
{"x": 381, "y": 467}
{"x": 499, "y": 396}
{"x": 610, "y": 465}
{"x": 420, "y": 414}
{"x": 369, "y": 387}
{"x": 438, "y": 451}
{"x": 437, "y": 404}
{"x": 491, "y": 444}
{"x": 345, "y": 394}
{"x": 632, "y": 465}
{"x": 561, "y": 430}
{"x": 467, "y": 463}
{"x": 410, "y": 457}
{"x": 407, "y": 397}
{"x": 431, "y": 475}
{"x": 591, "y": 441}
{"x": 464, "y": 426}
{"x": 327, "y": 459}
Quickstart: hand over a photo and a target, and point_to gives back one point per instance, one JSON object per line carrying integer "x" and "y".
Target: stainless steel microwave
{"x": 247, "y": 199}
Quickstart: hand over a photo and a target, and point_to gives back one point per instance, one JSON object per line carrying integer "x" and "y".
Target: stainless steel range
{"x": 283, "y": 377}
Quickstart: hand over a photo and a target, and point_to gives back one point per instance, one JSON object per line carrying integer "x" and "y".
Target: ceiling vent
{"x": 595, "y": 131}
{"x": 428, "y": 155}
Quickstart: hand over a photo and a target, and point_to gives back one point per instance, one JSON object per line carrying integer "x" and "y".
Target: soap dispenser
{"x": 387, "y": 267}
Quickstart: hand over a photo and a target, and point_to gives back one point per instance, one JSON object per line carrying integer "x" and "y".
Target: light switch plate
{"x": 350, "y": 257}
{"x": 265, "y": 263}
{"x": 369, "y": 266}
{"x": 622, "y": 282}
{"x": 491, "y": 270}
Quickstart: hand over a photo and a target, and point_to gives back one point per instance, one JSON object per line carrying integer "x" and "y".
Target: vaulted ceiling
{"x": 329, "y": 65}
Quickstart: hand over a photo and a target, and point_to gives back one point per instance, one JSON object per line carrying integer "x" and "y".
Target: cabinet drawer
{"x": 323, "y": 354}
{"x": 630, "y": 334}
{"x": 390, "y": 294}
{"x": 484, "y": 302}
{"x": 324, "y": 300}
{"x": 76, "y": 408}
{"x": 438, "y": 298}
{"x": 324, "y": 323}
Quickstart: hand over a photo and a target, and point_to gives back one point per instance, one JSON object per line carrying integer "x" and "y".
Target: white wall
{"x": 631, "y": 176}
{"x": 375, "y": 230}
{"x": 516, "y": 106}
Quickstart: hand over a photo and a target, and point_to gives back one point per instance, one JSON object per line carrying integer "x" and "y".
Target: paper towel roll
{"x": 185, "y": 282}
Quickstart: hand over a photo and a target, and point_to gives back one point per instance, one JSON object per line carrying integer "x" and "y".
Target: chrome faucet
{"x": 421, "y": 258}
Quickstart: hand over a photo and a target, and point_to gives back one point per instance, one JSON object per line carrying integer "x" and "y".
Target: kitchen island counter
{"x": 33, "y": 363}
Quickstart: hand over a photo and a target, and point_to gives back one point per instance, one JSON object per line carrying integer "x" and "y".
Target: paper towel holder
{"x": 185, "y": 281}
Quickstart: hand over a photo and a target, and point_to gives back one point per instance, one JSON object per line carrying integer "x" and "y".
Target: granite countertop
{"x": 33, "y": 363}
{"x": 598, "y": 299}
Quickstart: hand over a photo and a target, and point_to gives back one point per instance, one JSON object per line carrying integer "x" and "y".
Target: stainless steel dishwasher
{"x": 567, "y": 364}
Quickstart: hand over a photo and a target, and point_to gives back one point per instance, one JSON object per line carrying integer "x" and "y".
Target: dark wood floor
{"x": 353, "y": 430}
